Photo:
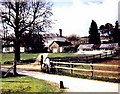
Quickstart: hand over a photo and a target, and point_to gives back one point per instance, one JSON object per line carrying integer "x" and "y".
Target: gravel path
{"x": 74, "y": 84}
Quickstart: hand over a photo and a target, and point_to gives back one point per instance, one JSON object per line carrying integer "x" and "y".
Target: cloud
{"x": 92, "y": 1}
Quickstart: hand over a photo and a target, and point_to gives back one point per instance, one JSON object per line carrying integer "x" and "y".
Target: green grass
{"x": 27, "y": 84}
{"x": 53, "y": 55}
{"x": 82, "y": 67}
{"x": 24, "y": 56}
{"x": 10, "y": 56}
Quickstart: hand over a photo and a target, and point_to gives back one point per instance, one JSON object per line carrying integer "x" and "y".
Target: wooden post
{"x": 71, "y": 66}
{"x": 106, "y": 54}
{"x": 86, "y": 59}
{"x": 111, "y": 52}
{"x": 93, "y": 56}
{"x": 100, "y": 56}
{"x": 91, "y": 67}
{"x": 52, "y": 67}
{"x": 57, "y": 69}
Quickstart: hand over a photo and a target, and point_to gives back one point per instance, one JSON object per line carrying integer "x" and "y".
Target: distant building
{"x": 58, "y": 46}
{"x": 9, "y": 48}
{"x": 97, "y": 48}
{"x": 51, "y": 37}
{"x": 104, "y": 39}
{"x": 84, "y": 40}
{"x": 48, "y": 41}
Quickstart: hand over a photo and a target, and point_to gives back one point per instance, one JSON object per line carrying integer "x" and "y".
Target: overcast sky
{"x": 75, "y": 16}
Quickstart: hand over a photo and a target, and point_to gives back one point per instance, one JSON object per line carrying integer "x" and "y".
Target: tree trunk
{"x": 17, "y": 51}
{"x": 17, "y": 40}
{"x": 17, "y": 56}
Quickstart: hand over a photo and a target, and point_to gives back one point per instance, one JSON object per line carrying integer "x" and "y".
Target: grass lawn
{"x": 24, "y": 56}
{"x": 24, "y": 84}
{"x": 10, "y": 56}
{"x": 53, "y": 55}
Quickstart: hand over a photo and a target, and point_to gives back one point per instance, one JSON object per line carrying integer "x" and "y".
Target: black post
{"x": 61, "y": 84}
{"x": 41, "y": 62}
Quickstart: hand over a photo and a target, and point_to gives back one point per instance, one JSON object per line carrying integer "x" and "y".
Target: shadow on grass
{"x": 18, "y": 81}
{"x": 2, "y": 73}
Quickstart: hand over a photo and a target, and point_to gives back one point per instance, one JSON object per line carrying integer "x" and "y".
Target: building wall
{"x": 8, "y": 49}
{"x": 11, "y": 49}
{"x": 54, "y": 48}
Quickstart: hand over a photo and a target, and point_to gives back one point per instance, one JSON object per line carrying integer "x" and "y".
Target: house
{"x": 104, "y": 39}
{"x": 50, "y": 37}
{"x": 84, "y": 40}
{"x": 58, "y": 46}
{"x": 9, "y": 48}
{"x": 48, "y": 40}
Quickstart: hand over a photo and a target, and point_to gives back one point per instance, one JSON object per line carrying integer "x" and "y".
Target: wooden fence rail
{"x": 88, "y": 58}
{"x": 72, "y": 67}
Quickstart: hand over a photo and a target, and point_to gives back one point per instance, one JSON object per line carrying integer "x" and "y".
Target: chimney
{"x": 60, "y": 30}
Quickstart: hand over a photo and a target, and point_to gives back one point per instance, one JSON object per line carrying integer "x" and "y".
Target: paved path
{"x": 74, "y": 84}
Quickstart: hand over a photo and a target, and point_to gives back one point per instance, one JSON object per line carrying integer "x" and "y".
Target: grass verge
{"x": 26, "y": 84}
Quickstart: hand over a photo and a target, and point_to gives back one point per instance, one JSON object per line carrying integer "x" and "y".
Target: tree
{"x": 73, "y": 37}
{"x": 106, "y": 30}
{"x": 94, "y": 36}
{"x": 116, "y": 33}
{"x": 33, "y": 41}
{"x": 19, "y": 16}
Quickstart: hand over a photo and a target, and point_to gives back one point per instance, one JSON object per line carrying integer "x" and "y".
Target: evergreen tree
{"x": 94, "y": 36}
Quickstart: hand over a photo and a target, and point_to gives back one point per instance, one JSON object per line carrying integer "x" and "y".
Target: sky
{"x": 75, "y": 16}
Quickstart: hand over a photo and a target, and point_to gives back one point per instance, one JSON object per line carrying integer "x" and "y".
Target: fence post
{"x": 91, "y": 68}
{"x": 111, "y": 52}
{"x": 86, "y": 59}
{"x": 56, "y": 68}
{"x": 71, "y": 66}
{"x": 106, "y": 54}
{"x": 93, "y": 56}
{"x": 100, "y": 56}
{"x": 41, "y": 61}
{"x": 52, "y": 67}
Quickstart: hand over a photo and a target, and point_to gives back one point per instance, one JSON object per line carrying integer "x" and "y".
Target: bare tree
{"x": 73, "y": 37}
{"x": 19, "y": 16}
